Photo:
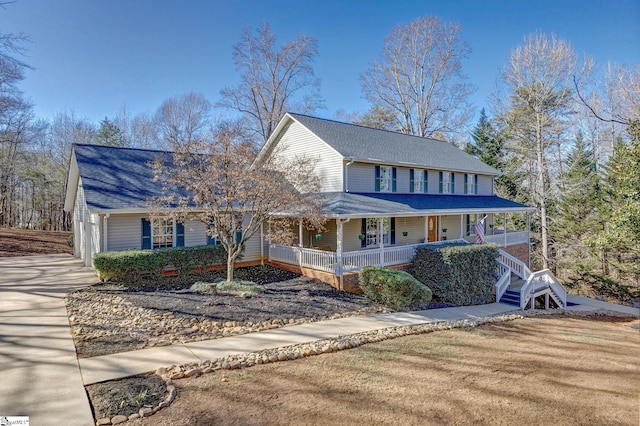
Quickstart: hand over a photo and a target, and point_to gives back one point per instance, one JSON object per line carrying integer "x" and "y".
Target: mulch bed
{"x": 126, "y": 396}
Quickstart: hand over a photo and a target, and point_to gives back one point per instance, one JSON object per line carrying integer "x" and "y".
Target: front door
{"x": 432, "y": 226}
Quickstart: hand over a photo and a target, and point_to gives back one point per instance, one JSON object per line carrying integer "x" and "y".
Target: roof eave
{"x": 421, "y": 166}
{"x": 72, "y": 183}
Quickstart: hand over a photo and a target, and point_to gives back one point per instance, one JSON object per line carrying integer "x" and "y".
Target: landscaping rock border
{"x": 144, "y": 411}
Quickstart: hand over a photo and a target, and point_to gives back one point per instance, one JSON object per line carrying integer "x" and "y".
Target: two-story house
{"x": 385, "y": 193}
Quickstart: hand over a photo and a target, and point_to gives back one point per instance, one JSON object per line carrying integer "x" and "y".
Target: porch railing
{"x": 351, "y": 261}
{"x": 304, "y": 257}
{"x": 318, "y": 259}
{"x": 513, "y": 238}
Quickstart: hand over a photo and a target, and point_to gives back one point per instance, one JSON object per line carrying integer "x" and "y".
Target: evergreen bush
{"x": 391, "y": 287}
{"x": 458, "y": 274}
{"x": 134, "y": 266}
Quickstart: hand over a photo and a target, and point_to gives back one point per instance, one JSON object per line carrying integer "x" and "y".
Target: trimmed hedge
{"x": 458, "y": 274}
{"x": 134, "y": 266}
{"x": 391, "y": 287}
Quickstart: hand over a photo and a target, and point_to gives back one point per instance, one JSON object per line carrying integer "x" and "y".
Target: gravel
{"x": 107, "y": 319}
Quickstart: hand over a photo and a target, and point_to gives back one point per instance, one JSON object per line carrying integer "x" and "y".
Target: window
{"x": 447, "y": 183}
{"x": 470, "y": 183}
{"x": 418, "y": 181}
{"x": 162, "y": 233}
{"x": 385, "y": 179}
{"x": 371, "y": 235}
{"x": 471, "y": 221}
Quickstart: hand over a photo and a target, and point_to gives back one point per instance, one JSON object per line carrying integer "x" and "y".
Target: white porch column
{"x": 300, "y": 242}
{"x": 269, "y": 232}
{"x": 339, "y": 238}
{"x": 528, "y": 241}
{"x": 380, "y": 235}
{"x": 105, "y": 236}
{"x": 461, "y": 226}
{"x": 262, "y": 243}
{"x": 426, "y": 229}
{"x": 505, "y": 230}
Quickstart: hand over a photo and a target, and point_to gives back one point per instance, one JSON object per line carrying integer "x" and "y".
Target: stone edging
{"x": 302, "y": 350}
{"x": 144, "y": 411}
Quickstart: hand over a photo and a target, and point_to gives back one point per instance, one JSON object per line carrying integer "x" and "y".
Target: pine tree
{"x": 620, "y": 238}
{"x": 488, "y": 147}
{"x": 577, "y": 210}
{"x": 110, "y": 134}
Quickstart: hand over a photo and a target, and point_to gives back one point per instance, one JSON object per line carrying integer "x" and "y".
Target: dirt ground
{"x": 32, "y": 242}
{"x": 544, "y": 370}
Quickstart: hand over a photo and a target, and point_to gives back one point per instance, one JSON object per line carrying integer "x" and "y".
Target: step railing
{"x": 539, "y": 283}
{"x": 504, "y": 281}
{"x": 517, "y": 266}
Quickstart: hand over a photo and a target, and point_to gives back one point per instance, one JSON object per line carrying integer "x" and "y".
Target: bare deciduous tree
{"x": 181, "y": 120}
{"x": 217, "y": 182}
{"x": 419, "y": 78}
{"x": 274, "y": 81}
{"x": 538, "y": 100}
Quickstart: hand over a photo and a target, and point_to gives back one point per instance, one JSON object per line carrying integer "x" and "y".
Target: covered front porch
{"x": 351, "y": 243}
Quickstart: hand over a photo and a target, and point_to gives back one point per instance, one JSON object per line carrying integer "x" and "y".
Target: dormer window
{"x": 447, "y": 183}
{"x": 385, "y": 179}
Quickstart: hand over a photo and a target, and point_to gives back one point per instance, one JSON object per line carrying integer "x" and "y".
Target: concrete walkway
{"x": 39, "y": 374}
{"x": 109, "y": 367}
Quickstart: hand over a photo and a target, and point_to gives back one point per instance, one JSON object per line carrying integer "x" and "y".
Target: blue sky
{"x": 93, "y": 56}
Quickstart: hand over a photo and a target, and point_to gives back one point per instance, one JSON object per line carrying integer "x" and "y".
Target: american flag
{"x": 479, "y": 228}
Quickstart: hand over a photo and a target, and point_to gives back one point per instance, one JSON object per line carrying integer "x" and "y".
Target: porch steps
{"x": 512, "y": 295}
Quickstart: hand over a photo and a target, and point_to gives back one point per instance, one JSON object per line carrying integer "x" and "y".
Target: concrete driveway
{"x": 39, "y": 372}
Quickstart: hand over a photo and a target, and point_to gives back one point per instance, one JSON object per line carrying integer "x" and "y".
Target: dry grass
{"x": 533, "y": 371}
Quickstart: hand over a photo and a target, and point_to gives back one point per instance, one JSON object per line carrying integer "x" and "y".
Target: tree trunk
{"x": 543, "y": 195}
{"x": 230, "y": 261}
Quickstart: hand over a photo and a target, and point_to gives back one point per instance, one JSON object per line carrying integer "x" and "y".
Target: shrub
{"x": 133, "y": 266}
{"x": 201, "y": 286}
{"x": 239, "y": 287}
{"x": 70, "y": 240}
{"x": 457, "y": 274}
{"x": 392, "y": 288}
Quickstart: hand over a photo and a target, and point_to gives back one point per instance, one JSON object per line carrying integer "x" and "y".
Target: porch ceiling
{"x": 349, "y": 204}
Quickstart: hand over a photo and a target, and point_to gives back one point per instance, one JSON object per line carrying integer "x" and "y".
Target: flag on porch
{"x": 479, "y": 228}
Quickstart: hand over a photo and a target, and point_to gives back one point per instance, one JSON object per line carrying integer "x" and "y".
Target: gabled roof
{"x": 115, "y": 178}
{"x": 349, "y": 204}
{"x": 367, "y": 144}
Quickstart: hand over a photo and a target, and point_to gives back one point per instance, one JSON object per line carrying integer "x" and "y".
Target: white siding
{"x": 124, "y": 232}
{"x": 433, "y": 181}
{"x": 195, "y": 233}
{"x": 252, "y": 247}
{"x": 295, "y": 141}
{"x": 86, "y": 229}
{"x": 350, "y": 232}
{"x": 485, "y": 185}
{"x": 452, "y": 225}
{"x": 361, "y": 177}
{"x": 414, "y": 226}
